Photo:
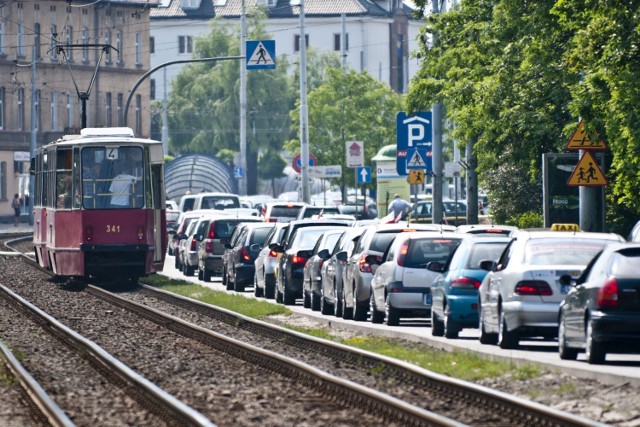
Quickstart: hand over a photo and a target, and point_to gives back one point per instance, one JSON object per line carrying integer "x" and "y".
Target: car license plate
{"x": 427, "y": 299}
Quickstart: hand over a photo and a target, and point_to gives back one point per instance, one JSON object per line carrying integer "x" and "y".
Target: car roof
{"x": 546, "y": 234}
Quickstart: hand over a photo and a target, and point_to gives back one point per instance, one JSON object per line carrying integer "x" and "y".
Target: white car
{"x": 521, "y": 295}
{"x": 401, "y": 286}
{"x": 265, "y": 279}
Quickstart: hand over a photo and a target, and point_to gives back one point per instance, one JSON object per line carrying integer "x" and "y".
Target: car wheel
{"x": 227, "y": 280}
{"x": 392, "y": 314}
{"x": 306, "y": 299}
{"x": 206, "y": 275}
{"x": 485, "y": 337}
{"x": 224, "y": 277}
{"x": 337, "y": 305}
{"x": 360, "y": 310}
{"x": 315, "y": 301}
{"x": 200, "y": 274}
{"x": 347, "y": 312}
{"x": 289, "y": 297}
{"x": 269, "y": 289}
{"x": 376, "y": 316}
{"x": 277, "y": 295}
{"x": 566, "y": 353}
{"x": 437, "y": 327}
{"x": 257, "y": 291}
{"x": 506, "y": 339}
{"x": 594, "y": 350}
{"x": 176, "y": 263}
{"x": 188, "y": 270}
{"x": 450, "y": 326}
{"x": 325, "y": 307}
{"x": 237, "y": 286}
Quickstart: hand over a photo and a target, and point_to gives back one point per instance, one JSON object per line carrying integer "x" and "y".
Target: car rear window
{"x": 309, "y": 212}
{"x": 380, "y": 241}
{"x": 484, "y": 251}
{"x": 562, "y": 251}
{"x": 219, "y": 202}
{"x": 625, "y": 263}
{"x": 423, "y": 251}
{"x": 285, "y": 211}
{"x": 223, "y": 228}
{"x": 306, "y": 238}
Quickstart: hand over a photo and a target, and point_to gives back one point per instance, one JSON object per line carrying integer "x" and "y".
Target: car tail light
{"x": 403, "y": 253}
{"x": 271, "y": 220}
{"x": 320, "y": 264}
{"x": 298, "y": 260}
{"x": 533, "y": 287}
{"x": 244, "y": 254}
{"x": 465, "y": 283}
{"x": 273, "y": 254}
{"x": 88, "y": 233}
{"x": 193, "y": 245}
{"x": 140, "y": 232}
{"x": 208, "y": 247}
{"x": 363, "y": 265}
{"x": 212, "y": 227}
{"x": 608, "y": 294}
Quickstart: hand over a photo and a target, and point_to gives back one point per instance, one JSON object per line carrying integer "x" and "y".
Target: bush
{"x": 526, "y": 220}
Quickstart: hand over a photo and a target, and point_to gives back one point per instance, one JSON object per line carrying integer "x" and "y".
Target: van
{"x": 217, "y": 201}
{"x": 186, "y": 202}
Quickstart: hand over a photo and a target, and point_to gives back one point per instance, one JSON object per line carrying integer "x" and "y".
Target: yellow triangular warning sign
{"x": 581, "y": 141}
{"x": 587, "y": 173}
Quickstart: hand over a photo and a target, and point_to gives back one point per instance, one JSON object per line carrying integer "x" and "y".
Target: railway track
{"x": 397, "y": 392}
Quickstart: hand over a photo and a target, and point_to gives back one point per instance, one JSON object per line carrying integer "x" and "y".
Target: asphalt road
{"x": 619, "y": 368}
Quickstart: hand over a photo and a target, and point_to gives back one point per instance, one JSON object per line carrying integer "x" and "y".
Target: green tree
{"x": 270, "y": 167}
{"x": 204, "y": 101}
{"x": 347, "y": 106}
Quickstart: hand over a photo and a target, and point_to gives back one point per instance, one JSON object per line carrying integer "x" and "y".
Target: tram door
{"x": 159, "y": 222}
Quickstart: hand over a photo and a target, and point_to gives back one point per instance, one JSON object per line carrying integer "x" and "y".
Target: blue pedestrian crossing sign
{"x": 419, "y": 159}
{"x": 261, "y": 54}
{"x": 364, "y": 174}
{"x": 238, "y": 172}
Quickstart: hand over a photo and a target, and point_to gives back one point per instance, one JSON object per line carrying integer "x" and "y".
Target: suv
{"x": 281, "y": 211}
{"x": 217, "y": 201}
{"x": 241, "y": 253}
{"x": 357, "y": 275}
{"x": 213, "y": 232}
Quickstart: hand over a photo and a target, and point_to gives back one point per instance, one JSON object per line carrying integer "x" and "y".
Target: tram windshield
{"x": 113, "y": 177}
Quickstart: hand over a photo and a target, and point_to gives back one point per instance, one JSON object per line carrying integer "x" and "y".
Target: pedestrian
{"x": 17, "y": 206}
{"x": 399, "y": 207}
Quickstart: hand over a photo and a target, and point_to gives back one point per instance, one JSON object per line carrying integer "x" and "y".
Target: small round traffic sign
{"x": 297, "y": 162}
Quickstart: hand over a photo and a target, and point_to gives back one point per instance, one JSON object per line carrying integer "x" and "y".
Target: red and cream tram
{"x": 99, "y": 205}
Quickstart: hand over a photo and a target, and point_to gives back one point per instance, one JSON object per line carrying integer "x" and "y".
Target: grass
{"x": 458, "y": 364}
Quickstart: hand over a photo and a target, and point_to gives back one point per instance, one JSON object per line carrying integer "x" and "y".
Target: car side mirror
{"x": 276, "y": 247}
{"x": 373, "y": 260}
{"x": 341, "y": 256}
{"x": 304, "y": 253}
{"x": 228, "y": 246}
{"x": 566, "y": 279}
{"x": 488, "y": 265}
{"x": 324, "y": 254}
{"x": 438, "y": 267}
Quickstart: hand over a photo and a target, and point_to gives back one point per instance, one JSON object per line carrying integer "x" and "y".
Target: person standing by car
{"x": 399, "y": 207}
{"x": 17, "y": 206}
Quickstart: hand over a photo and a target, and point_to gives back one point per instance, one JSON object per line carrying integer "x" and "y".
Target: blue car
{"x": 455, "y": 291}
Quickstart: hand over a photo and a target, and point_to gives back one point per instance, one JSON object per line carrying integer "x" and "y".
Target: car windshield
{"x": 484, "y": 251}
{"x": 423, "y": 251}
{"x": 562, "y": 251}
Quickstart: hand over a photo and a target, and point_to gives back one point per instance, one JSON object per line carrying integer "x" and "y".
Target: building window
{"x": 70, "y": 111}
{"x": 36, "y": 39}
{"x": 21, "y": 109}
{"x": 138, "y": 115}
{"x": 152, "y": 45}
{"x": 3, "y": 180}
{"x": 85, "y": 42}
{"x": 20, "y": 40}
{"x": 119, "y": 112}
{"x": 152, "y": 86}
{"x": 1, "y": 108}
{"x": 107, "y": 109}
{"x": 119, "y": 42}
{"x": 138, "y": 48}
{"x": 69, "y": 40}
{"x": 2, "y": 38}
{"x": 296, "y": 42}
{"x": 54, "y": 42}
{"x": 337, "y": 43}
{"x": 107, "y": 41}
{"x": 54, "y": 111}
{"x": 185, "y": 44}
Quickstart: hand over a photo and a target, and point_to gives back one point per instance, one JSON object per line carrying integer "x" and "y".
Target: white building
{"x": 380, "y": 34}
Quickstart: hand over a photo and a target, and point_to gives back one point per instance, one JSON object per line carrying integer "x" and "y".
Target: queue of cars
{"x": 581, "y": 288}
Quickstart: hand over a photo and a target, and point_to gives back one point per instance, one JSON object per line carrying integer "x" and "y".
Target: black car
{"x": 241, "y": 252}
{"x": 294, "y": 255}
{"x": 601, "y": 312}
{"x": 359, "y": 211}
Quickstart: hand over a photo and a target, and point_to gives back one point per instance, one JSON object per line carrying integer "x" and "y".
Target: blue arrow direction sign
{"x": 413, "y": 133}
{"x": 261, "y": 54}
{"x": 238, "y": 172}
{"x": 364, "y": 174}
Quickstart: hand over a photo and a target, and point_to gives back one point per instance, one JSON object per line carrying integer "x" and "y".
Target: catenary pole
{"x": 243, "y": 102}
{"x": 437, "y": 146}
{"x": 304, "y": 116}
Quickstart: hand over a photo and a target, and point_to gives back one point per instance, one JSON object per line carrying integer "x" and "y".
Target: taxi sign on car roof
{"x": 565, "y": 227}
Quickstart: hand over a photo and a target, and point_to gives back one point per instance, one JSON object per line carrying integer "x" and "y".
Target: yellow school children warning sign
{"x": 581, "y": 141}
{"x": 416, "y": 176}
{"x": 587, "y": 173}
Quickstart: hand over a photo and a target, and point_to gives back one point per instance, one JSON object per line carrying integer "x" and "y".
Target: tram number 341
{"x": 113, "y": 228}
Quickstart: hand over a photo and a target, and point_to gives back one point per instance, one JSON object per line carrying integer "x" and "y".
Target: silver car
{"x": 265, "y": 279}
{"x": 401, "y": 286}
{"x": 312, "y": 274}
{"x": 368, "y": 252}
{"x": 521, "y": 295}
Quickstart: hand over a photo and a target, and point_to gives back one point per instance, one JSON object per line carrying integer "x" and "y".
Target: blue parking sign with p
{"x": 414, "y": 134}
